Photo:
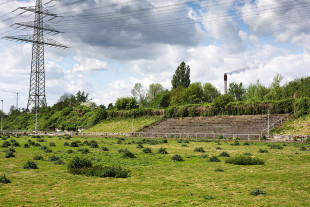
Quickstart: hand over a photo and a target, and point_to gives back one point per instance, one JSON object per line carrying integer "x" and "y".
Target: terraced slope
{"x": 295, "y": 126}
{"x": 245, "y": 124}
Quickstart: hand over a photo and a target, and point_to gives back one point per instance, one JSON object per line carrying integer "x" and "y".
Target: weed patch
{"x": 177, "y": 158}
{"x": 30, "y": 165}
{"x": 245, "y": 160}
{"x": 4, "y": 179}
{"x": 199, "y": 149}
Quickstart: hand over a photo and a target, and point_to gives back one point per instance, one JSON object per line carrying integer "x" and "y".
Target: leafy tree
{"x": 110, "y": 106}
{"x": 176, "y": 96}
{"x": 154, "y": 89}
{"x": 81, "y": 97}
{"x": 162, "y": 99}
{"x": 126, "y": 103}
{"x": 221, "y": 101}
{"x": 181, "y": 76}
{"x": 256, "y": 92}
{"x": 237, "y": 91}
{"x": 210, "y": 93}
{"x": 193, "y": 94}
{"x": 297, "y": 88}
{"x": 140, "y": 94}
{"x": 276, "y": 91}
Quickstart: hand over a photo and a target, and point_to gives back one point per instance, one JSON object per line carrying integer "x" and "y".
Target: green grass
{"x": 156, "y": 180}
{"x": 124, "y": 124}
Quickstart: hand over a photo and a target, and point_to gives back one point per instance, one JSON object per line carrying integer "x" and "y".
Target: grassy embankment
{"x": 124, "y": 124}
{"x": 295, "y": 126}
{"x": 155, "y": 180}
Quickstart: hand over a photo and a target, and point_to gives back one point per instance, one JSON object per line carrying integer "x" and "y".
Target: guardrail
{"x": 272, "y": 126}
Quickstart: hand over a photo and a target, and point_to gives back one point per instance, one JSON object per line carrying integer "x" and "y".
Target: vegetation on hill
{"x": 295, "y": 126}
{"x": 72, "y": 112}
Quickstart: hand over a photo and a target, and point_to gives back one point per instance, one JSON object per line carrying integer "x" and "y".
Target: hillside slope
{"x": 295, "y": 126}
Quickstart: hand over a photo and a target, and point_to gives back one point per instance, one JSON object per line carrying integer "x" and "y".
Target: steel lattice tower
{"x": 37, "y": 77}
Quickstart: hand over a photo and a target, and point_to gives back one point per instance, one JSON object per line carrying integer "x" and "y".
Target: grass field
{"x": 155, "y": 180}
{"x": 124, "y": 124}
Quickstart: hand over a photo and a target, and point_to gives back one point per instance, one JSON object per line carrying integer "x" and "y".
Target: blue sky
{"x": 114, "y": 44}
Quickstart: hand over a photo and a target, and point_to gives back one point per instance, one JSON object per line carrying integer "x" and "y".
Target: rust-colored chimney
{"x": 225, "y": 83}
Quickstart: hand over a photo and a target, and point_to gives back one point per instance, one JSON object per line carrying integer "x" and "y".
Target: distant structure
{"x": 37, "y": 96}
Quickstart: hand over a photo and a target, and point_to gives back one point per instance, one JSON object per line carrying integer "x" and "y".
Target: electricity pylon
{"x": 37, "y": 77}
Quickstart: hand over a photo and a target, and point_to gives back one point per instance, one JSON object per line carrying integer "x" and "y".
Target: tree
{"x": 237, "y": 91}
{"x": 154, "y": 89}
{"x": 126, "y": 103}
{"x": 81, "y": 97}
{"x": 256, "y": 92}
{"x": 276, "y": 91}
{"x": 210, "y": 93}
{"x": 176, "y": 96}
{"x": 162, "y": 99}
{"x": 221, "y": 101}
{"x": 181, "y": 76}
{"x": 193, "y": 94}
{"x": 140, "y": 94}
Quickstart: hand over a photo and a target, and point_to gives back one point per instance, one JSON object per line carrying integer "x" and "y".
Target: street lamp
{"x": 2, "y": 117}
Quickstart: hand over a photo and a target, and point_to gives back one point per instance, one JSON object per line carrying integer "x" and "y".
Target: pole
{"x": 2, "y": 117}
{"x": 268, "y": 122}
{"x": 132, "y": 124}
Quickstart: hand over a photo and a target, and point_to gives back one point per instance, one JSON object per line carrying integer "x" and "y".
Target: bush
{"x": 102, "y": 171}
{"x": 162, "y": 151}
{"x": 6, "y": 144}
{"x": 303, "y": 148}
{"x": 275, "y": 146}
{"x": 59, "y": 162}
{"x": 79, "y": 162}
{"x": 48, "y": 150}
{"x": 236, "y": 143}
{"x": 214, "y": 159}
{"x": 128, "y": 154}
{"x": 11, "y": 149}
{"x": 218, "y": 170}
{"x": 26, "y": 145}
{"x": 246, "y": 143}
{"x": 52, "y": 144}
{"x": 224, "y": 154}
{"x": 104, "y": 149}
{"x": 94, "y": 144}
{"x": 74, "y": 144}
{"x": 177, "y": 158}
{"x": 257, "y": 192}
{"x": 165, "y": 141}
{"x": 140, "y": 146}
{"x": 53, "y": 158}
{"x": 38, "y": 157}
{"x": 199, "y": 149}
{"x": 147, "y": 150}
{"x": 184, "y": 145}
{"x": 70, "y": 151}
{"x": 263, "y": 151}
{"x": 247, "y": 154}
{"x": 204, "y": 156}
{"x": 245, "y": 160}
{"x": 122, "y": 150}
{"x": 83, "y": 150}
{"x": 9, "y": 154}
{"x": 30, "y": 165}
{"x": 4, "y": 179}
{"x": 208, "y": 197}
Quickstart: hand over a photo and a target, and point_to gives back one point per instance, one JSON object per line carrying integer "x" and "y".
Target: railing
{"x": 272, "y": 126}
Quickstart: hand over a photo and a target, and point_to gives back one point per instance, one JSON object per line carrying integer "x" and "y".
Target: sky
{"x": 114, "y": 44}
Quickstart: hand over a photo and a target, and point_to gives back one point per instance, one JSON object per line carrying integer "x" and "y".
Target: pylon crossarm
{"x": 33, "y": 9}
{"x": 32, "y": 24}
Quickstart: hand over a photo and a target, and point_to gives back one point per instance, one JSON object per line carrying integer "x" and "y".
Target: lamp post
{"x": 2, "y": 117}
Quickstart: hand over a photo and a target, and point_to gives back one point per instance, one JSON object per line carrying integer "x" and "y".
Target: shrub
{"x": 236, "y": 143}
{"x": 104, "y": 149}
{"x": 165, "y": 141}
{"x": 102, "y": 171}
{"x": 122, "y": 150}
{"x": 184, "y": 145}
{"x": 70, "y": 151}
{"x": 218, "y": 148}
{"x": 26, "y": 145}
{"x": 44, "y": 148}
{"x": 204, "y": 156}
{"x": 140, "y": 146}
{"x": 199, "y": 149}
{"x": 11, "y": 149}
{"x": 247, "y": 154}
{"x": 245, "y": 160}
{"x": 4, "y": 179}
{"x": 94, "y": 144}
{"x": 66, "y": 144}
{"x": 9, "y": 154}
{"x": 177, "y": 158}
{"x": 83, "y": 150}
{"x": 218, "y": 170}
{"x": 30, "y": 165}
{"x": 128, "y": 154}
{"x": 224, "y": 154}
{"x": 162, "y": 151}
{"x": 6, "y": 144}
{"x": 48, "y": 150}
{"x": 263, "y": 151}
{"x": 214, "y": 159}
{"x": 59, "y": 162}
{"x": 38, "y": 157}
{"x": 74, "y": 144}
{"x": 41, "y": 140}
{"x": 303, "y": 148}
{"x": 246, "y": 143}
{"x": 53, "y": 158}
{"x": 147, "y": 150}
{"x": 78, "y": 163}
{"x": 257, "y": 192}
{"x": 275, "y": 146}
{"x": 86, "y": 143}
{"x": 15, "y": 144}
{"x": 208, "y": 197}
{"x": 52, "y": 144}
